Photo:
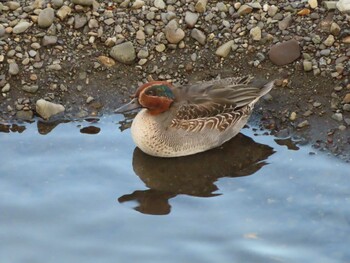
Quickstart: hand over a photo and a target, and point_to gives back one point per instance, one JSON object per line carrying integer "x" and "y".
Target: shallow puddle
{"x": 81, "y": 192}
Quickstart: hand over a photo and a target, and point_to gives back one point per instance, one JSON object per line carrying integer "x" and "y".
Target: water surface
{"x": 81, "y": 192}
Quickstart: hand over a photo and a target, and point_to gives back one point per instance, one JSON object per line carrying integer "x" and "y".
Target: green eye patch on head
{"x": 160, "y": 91}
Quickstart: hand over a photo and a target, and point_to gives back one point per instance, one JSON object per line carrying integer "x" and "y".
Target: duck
{"x": 187, "y": 119}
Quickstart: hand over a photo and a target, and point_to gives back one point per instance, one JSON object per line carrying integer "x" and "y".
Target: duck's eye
{"x": 151, "y": 92}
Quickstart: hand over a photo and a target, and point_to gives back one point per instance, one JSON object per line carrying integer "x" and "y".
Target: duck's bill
{"x": 132, "y": 105}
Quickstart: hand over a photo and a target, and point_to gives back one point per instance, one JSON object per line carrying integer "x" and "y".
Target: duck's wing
{"x": 216, "y": 104}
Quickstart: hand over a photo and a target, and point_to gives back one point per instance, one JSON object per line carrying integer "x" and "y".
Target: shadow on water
{"x": 193, "y": 175}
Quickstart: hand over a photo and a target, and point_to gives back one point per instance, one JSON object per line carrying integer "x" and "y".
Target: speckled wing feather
{"x": 216, "y": 104}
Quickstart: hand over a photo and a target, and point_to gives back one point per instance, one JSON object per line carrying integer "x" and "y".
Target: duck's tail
{"x": 266, "y": 88}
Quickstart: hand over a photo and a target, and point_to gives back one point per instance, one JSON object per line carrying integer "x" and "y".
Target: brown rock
{"x": 347, "y": 98}
{"x": 285, "y": 52}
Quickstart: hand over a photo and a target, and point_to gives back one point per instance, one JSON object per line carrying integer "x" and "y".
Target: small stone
{"x": 124, "y": 53}
{"x": 25, "y": 115}
{"x": 307, "y": 65}
{"x": 13, "y": 5}
{"x": 346, "y": 107}
{"x": 2, "y": 30}
{"x": 138, "y": 4}
{"x": 106, "y": 61}
{"x": 80, "y": 21}
{"x": 160, "y": 48}
{"x": 46, "y": 17}
{"x": 313, "y": 3}
{"x": 143, "y": 53}
{"x": 198, "y": 35}
{"x": 330, "y": 5}
{"x": 303, "y": 124}
{"x": 89, "y": 99}
{"x": 346, "y": 98}
{"x": 337, "y": 116}
{"x": 13, "y": 68}
{"x": 272, "y": 10}
{"x": 63, "y": 12}
{"x": 325, "y": 52}
{"x": 245, "y": 10}
{"x": 83, "y": 2}
{"x": 329, "y": 41}
{"x": 201, "y": 6}
{"x": 293, "y": 116}
{"x": 285, "y": 52}
{"x": 21, "y": 27}
{"x": 47, "y": 109}
{"x": 159, "y": 4}
{"x": 30, "y": 89}
{"x": 57, "y": 3}
{"x": 191, "y": 19}
{"x": 317, "y": 104}
{"x": 224, "y": 49}
{"x": 343, "y": 6}
{"x": 140, "y": 35}
{"x": 285, "y": 23}
{"x": 6, "y": 88}
{"x": 174, "y": 34}
{"x": 49, "y": 40}
{"x": 335, "y": 29}
{"x": 255, "y": 33}
{"x": 55, "y": 67}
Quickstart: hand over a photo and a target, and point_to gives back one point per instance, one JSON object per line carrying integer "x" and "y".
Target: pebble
{"x": 63, "y": 12}
{"x": 6, "y": 88}
{"x": 307, "y": 65}
{"x": 343, "y": 6}
{"x": 30, "y": 89}
{"x": 335, "y": 29}
{"x": 89, "y": 99}
{"x": 13, "y": 5}
{"x": 285, "y": 23}
{"x": 79, "y": 21}
{"x": 2, "y": 30}
{"x": 329, "y": 41}
{"x": 313, "y": 3}
{"x": 255, "y": 33}
{"x": 293, "y": 116}
{"x": 82, "y": 2}
{"x": 346, "y": 107}
{"x": 198, "y": 35}
{"x": 138, "y": 4}
{"x": 191, "y": 19}
{"x": 285, "y": 52}
{"x": 159, "y": 4}
{"x": 21, "y": 27}
{"x": 272, "y": 10}
{"x": 124, "y": 53}
{"x": 143, "y": 53}
{"x": 47, "y": 109}
{"x": 173, "y": 33}
{"x": 25, "y": 115}
{"x": 303, "y": 124}
{"x": 106, "y": 61}
{"x": 346, "y": 98}
{"x": 57, "y": 3}
{"x": 245, "y": 10}
{"x": 49, "y": 40}
{"x": 224, "y": 49}
{"x": 201, "y": 6}
{"x": 160, "y": 47}
{"x": 337, "y": 116}
{"x": 46, "y": 17}
{"x": 13, "y": 68}
{"x": 330, "y": 5}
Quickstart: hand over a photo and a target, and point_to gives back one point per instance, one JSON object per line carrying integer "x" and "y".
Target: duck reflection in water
{"x": 193, "y": 175}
